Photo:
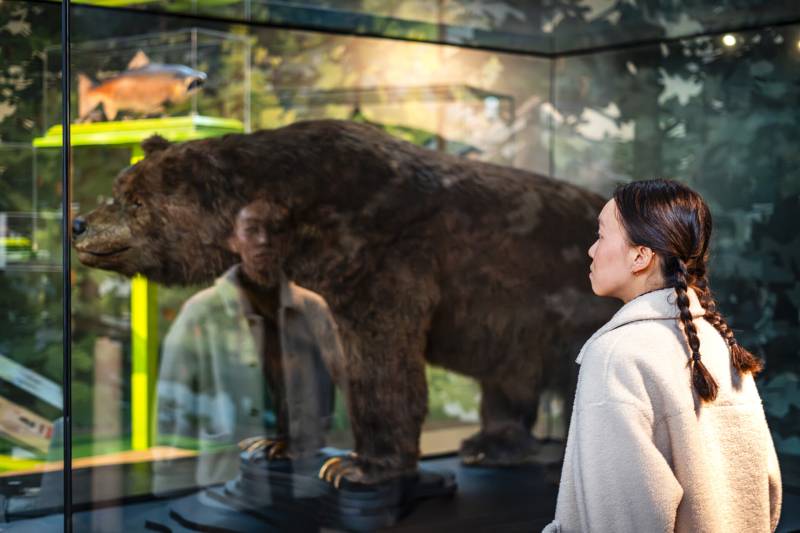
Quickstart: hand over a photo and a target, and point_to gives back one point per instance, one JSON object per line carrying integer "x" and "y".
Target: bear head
{"x": 169, "y": 217}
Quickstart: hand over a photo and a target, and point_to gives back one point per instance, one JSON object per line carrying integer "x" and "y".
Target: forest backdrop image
{"x": 709, "y": 110}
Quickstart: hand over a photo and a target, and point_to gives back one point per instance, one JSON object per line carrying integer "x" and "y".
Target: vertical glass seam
{"x": 66, "y": 270}
{"x": 551, "y": 124}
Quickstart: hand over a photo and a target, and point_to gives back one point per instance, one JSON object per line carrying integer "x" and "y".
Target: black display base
{"x": 276, "y": 497}
{"x": 511, "y": 500}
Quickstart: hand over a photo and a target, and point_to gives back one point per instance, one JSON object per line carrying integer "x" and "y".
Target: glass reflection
{"x": 31, "y": 316}
{"x": 244, "y": 363}
{"x": 460, "y": 102}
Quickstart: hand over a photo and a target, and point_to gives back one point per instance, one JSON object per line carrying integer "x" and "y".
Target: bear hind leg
{"x": 505, "y": 437}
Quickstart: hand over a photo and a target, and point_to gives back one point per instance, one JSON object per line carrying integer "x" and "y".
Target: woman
{"x": 667, "y": 431}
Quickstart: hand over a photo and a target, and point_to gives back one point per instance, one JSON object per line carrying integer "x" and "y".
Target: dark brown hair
{"x": 675, "y": 222}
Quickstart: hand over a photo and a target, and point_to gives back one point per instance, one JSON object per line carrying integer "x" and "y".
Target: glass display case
{"x": 400, "y": 343}
{"x": 179, "y": 73}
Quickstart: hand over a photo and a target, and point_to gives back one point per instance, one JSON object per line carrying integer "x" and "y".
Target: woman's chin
{"x": 597, "y": 290}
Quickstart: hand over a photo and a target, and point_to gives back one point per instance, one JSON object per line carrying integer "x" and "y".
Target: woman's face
{"x": 612, "y": 257}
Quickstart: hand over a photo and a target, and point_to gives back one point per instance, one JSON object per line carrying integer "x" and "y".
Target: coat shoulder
{"x": 308, "y": 298}
{"x": 198, "y": 309}
{"x": 638, "y": 340}
{"x": 628, "y": 364}
{"x": 201, "y": 302}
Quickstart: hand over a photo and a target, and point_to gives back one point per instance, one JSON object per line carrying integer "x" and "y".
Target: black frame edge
{"x": 66, "y": 269}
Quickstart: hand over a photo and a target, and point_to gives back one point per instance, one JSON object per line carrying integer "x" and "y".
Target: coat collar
{"x": 230, "y": 289}
{"x": 655, "y": 305}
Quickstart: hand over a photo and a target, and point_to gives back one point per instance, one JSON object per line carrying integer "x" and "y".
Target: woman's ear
{"x": 643, "y": 258}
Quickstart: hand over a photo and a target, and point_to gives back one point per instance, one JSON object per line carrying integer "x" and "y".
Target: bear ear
{"x": 154, "y": 144}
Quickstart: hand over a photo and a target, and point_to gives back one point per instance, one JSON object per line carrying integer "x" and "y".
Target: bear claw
{"x": 474, "y": 459}
{"x": 336, "y": 468}
{"x": 512, "y": 447}
{"x": 271, "y": 448}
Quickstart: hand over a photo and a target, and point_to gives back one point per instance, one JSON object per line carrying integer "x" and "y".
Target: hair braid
{"x": 703, "y": 381}
{"x": 741, "y": 358}
{"x": 675, "y": 222}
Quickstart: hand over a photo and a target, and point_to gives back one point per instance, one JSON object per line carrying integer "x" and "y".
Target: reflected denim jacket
{"x": 211, "y": 388}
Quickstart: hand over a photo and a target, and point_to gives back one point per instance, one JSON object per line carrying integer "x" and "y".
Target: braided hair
{"x": 675, "y": 222}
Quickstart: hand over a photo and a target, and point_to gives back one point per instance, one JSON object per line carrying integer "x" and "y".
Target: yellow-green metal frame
{"x": 133, "y": 132}
{"x": 144, "y": 361}
{"x": 144, "y": 293}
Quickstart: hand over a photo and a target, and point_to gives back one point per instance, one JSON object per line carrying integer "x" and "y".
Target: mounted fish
{"x": 143, "y": 88}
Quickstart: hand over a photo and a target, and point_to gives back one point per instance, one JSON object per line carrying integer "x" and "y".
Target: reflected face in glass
{"x": 257, "y": 242}
{"x": 610, "y": 271}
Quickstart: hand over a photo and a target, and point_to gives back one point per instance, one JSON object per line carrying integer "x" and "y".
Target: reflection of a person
{"x": 252, "y": 326}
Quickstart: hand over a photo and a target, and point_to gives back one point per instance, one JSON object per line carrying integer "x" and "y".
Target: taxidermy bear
{"x": 421, "y": 256}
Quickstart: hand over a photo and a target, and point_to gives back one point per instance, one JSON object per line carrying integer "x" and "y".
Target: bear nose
{"x": 78, "y": 226}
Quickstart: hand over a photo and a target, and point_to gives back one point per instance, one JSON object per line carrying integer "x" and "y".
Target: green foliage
{"x": 30, "y": 299}
{"x": 721, "y": 119}
{"x": 451, "y": 396}
{"x": 26, "y": 29}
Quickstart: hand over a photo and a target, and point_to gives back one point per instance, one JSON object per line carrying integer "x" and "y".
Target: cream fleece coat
{"x": 643, "y": 455}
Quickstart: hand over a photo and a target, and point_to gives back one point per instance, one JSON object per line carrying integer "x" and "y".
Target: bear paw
{"x": 363, "y": 472}
{"x": 270, "y": 449}
{"x": 343, "y": 468}
{"x": 510, "y": 446}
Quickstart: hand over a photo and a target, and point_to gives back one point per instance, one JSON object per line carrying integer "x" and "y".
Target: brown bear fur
{"x": 421, "y": 256}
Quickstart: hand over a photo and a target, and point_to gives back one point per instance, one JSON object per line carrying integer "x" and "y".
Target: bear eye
{"x": 136, "y": 204}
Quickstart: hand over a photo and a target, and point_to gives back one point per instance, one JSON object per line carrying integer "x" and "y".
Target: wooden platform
{"x": 118, "y": 458}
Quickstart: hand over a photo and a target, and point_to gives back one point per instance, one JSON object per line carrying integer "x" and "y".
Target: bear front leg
{"x": 387, "y": 403}
{"x": 385, "y": 338}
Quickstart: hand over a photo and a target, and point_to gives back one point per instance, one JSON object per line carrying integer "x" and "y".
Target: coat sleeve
{"x": 176, "y": 403}
{"x": 176, "y": 389}
{"x": 775, "y": 488}
{"x": 623, "y": 482}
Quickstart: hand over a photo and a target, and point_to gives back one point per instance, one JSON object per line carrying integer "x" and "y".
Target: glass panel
{"x": 719, "y": 114}
{"x": 513, "y": 25}
{"x": 501, "y": 25}
{"x": 183, "y": 353}
{"x": 31, "y": 423}
{"x": 248, "y": 308}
